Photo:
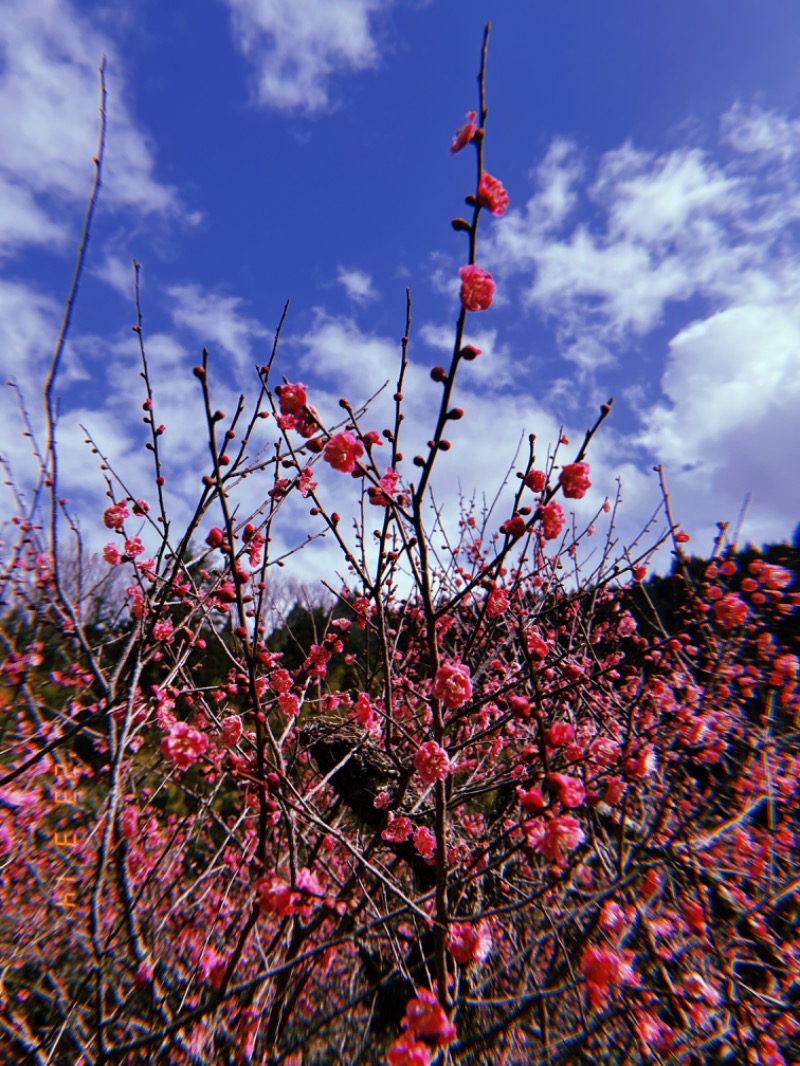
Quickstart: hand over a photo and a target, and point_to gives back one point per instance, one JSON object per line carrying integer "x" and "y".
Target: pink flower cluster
{"x": 452, "y": 685}
{"x": 491, "y": 194}
{"x": 465, "y": 134}
{"x": 602, "y": 968}
{"x": 432, "y": 763}
{"x": 426, "y": 1018}
{"x": 184, "y": 745}
{"x": 343, "y": 452}
{"x": 469, "y": 942}
{"x": 552, "y": 520}
{"x": 574, "y": 480}
{"x": 477, "y": 288}
{"x": 295, "y": 411}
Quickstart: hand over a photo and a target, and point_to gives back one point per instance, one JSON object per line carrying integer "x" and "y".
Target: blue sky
{"x": 265, "y": 150}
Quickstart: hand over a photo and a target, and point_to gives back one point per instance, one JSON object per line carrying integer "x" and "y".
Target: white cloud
{"x": 296, "y": 46}
{"x": 357, "y": 284}
{"x": 217, "y": 319}
{"x": 49, "y": 98}
{"x": 701, "y": 244}
{"x": 752, "y": 130}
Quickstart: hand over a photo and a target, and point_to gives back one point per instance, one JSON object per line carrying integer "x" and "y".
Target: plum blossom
{"x": 469, "y": 942}
{"x": 133, "y": 547}
{"x": 570, "y": 790}
{"x": 554, "y": 837}
{"x": 408, "y": 1051}
{"x": 514, "y": 527}
{"x": 426, "y": 1017}
{"x": 491, "y": 194}
{"x": 477, "y": 288}
{"x": 730, "y": 611}
{"x": 380, "y": 494}
{"x": 574, "y": 480}
{"x": 432, "y": 763}
{"x": 292, "y": 398}
{"x": 306, "y": 483}
{"x": 114, "y": 517}
{"x": 343, "y": 452}
{"x": 603, "y": 967}
{"x": 111, "y": 554}
{"x": 275, "y": 896}
{"x": 537, "y": 645}
{"x": 559, "y": 734}
{"x": 397, "y": 831}
{"x": 532, "y": 799}
{"x": 230, "y": 730}
{"x": 424, "y": 842}
{"x": 536, "y": 480}
{"x": 452, "y": 685}
{"x": 552, "y": 520}
{"x": 184, "y": 745}
{"x": 496, "y": 603}
{"x": 465, "y": 134}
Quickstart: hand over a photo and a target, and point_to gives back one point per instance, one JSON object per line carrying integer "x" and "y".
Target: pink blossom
{"x": 432, "y": 763}
{"x": 694, "y": 916}
{"x": 426, "y": 1017}
{"x": 111, "y": 554}
{"x": 307, "y": 423}
{"x": 615, "y": 790}
{"x": 292, "y": 398}
{"x": 496, "y": 603}
{"x": 477, "y": 288}
{"x": 465, "y": 134}
{"x": 114, "y": 517}
{"x": 491, "y": 194}
{"x": 552, "y": 520}
{"x": 289, "y": 704}
{"x": 602, "y": 967}
{"x": 514, "y": 527}
{"x": 408, "y": 1051}
{"x": 230, "y": 730}
{"x": 280, "y": 680}
{"x": 559, "y": 734}
{"x": 730, "y": 611}
{"x": 537, "y": 646}
{"x": 452, "y": 685}
{"x": 343, "y": 451}
{"x": 532, "y": 799}
{"x": 469, "y": 942}
{"x": 163, "y": 630}
{"x": 570, "y": 790}
{"x": 536, "y": 480}
{"x": 133, "y": 547}
{"x": 574, "y": 480}
{"x": 215, "y": 538}
{"x": 276, "y": 897}
{"x": 364, "y": 710}
{"x": 184, "y": 745}
{"x": 398, "y": 830}
{"x": 424, "y": 842}
{"x": 306, "y": 483}
{"x": 560, "y": 834}
{"x": 381, "y": 494}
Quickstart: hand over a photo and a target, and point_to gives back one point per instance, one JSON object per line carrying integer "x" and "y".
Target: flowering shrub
{"x": 479, "y": 805}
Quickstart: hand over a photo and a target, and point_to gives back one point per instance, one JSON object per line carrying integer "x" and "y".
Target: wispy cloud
{"x": 49, "y": 95}
{"x": 297, "y": 46}
{"x": 701, "y": 244}
{"x": 357, "y": 284}
{"x": 216, "y": 319}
